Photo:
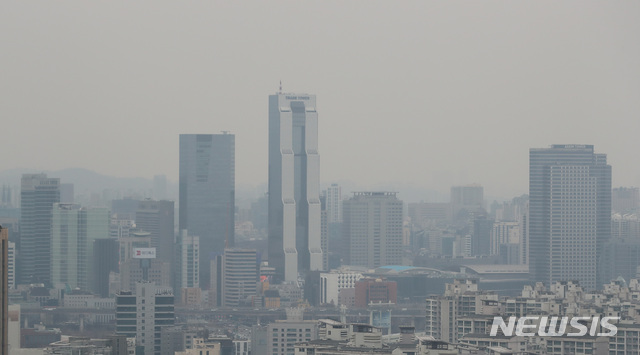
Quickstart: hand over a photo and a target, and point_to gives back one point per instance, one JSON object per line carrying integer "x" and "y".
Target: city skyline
{"x": 320, "y": 178}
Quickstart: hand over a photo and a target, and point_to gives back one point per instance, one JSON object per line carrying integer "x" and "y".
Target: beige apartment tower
{"x": 372, "y": 229}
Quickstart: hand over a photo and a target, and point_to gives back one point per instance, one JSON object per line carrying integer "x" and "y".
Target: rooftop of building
{"x": 499, "y": 269}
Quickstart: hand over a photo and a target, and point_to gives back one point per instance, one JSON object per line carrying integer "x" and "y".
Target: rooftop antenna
{"x": 280, "y": 92}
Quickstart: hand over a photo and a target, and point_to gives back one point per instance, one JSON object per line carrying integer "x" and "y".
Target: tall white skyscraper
{"x": 294, "y": 196}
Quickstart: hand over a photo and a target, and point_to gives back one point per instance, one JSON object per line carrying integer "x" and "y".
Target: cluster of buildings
{"x": 129, "y": 268}
{"x": 464, "y": 315}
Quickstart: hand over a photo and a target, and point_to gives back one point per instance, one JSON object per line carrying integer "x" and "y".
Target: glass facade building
{"x": 74, "y": 231}
{"x": 207, "y": 193}
{"x": 37, "y": 196}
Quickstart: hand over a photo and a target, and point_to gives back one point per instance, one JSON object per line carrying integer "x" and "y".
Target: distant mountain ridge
{"x": 82, "y": 179}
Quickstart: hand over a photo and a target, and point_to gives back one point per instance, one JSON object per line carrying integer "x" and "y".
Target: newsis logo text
{"x": 554, "y": 326}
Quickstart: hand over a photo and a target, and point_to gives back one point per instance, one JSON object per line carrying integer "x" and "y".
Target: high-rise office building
{"x": 569, "y": 213}
{"x": 294, "y": 196}
{"x": 324, "y": 231}
{"x": 188, "y": 261}
{"x": 4, "y": 290}
{"x": 11, "y": 259}
{"x": 481, "y": 236}
{"x": 64, "y": 246}
{"x": 504, "y": 233}
{"x": 215, "y": 280}
{"x": 466, "y": 199}
{"x": 73, "y": 233}
{"x": 625, "y": 199}
{"x": 523, "y": 222}
{"x": 334, "y": 203}
{"x": 37, "y": 196}
{"x": 157, "y": 218}
{"x": 136, "y": 266}
{"x": 7, "y": 196}
{"x": 239, "y": 276}
{"x": 372, "y": 229}
{"x": 332, "y": 248}
{"x": 144, "y": 314}
{"x": 207, "y": 193}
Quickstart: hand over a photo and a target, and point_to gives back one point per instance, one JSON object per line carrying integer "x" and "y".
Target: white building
{"x": 11, "y": 265}
{"x": 283, "y": 335}
{"x": 239, "y": 276}
{"x": 188, "y": 274}
{"x": 294, "y": 185}
{"x": 242, "y": 347}
{"x": 333, "y": 282}
{"x": 504, "y": 233}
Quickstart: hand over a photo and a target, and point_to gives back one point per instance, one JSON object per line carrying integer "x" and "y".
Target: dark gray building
{"x": 105, "y": 260}
{"x": 157, "y": 218}
{"x": 569, "y": 213}
{"x": 481, "y": 237}
{"x": 294, "y": 186}
{"x": 621, "y": 258}
{"x": 207, "y": 193}
{"x": 37, "y": 196}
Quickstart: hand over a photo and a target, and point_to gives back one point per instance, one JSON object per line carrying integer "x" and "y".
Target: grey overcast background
{"x": 424, "y": 93}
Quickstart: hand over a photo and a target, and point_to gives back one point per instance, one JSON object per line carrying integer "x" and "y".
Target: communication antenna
{"x": 280, "y": 92}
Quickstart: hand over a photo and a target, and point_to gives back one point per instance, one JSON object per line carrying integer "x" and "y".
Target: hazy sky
{"x": 427, "y": 93}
